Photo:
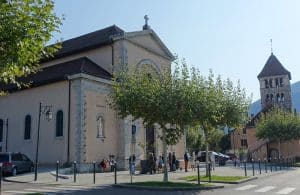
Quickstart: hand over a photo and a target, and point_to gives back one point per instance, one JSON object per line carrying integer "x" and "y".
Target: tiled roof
{"x": 272, "y": 68}
{"x": 88, "y": 41}
{"x": 60, "y": 72}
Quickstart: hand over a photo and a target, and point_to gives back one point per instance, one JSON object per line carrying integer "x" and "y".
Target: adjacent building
{"x": 275, "y": 90}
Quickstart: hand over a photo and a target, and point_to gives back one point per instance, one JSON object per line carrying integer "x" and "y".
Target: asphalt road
{"x": 279, "y": 183}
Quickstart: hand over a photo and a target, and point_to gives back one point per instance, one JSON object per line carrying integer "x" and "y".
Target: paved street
{"x": 284, "y": 182}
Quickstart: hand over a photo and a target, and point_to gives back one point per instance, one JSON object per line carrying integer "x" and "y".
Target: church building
{"x": 275, "y": 90}
{"x": 64, "y": 115}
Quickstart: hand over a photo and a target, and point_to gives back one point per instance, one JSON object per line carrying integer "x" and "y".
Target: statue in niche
{"x": 100, "y": 126}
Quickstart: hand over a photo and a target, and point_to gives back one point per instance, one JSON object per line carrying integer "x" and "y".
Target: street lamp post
{"x": 46, "y": 110}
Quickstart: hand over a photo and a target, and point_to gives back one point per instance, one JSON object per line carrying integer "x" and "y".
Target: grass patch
{"x": 167, "y": 184}
{"x": 297, "y": 164}
{"x": 215, "y": 178}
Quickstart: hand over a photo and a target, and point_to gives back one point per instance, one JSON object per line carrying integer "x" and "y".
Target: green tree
{"x": 278, "y": 125}
{"x": 178, "y": 101}
{"x": 225, "y": 143}
{"x": 219, "y": 103}
{"x": 26, "y": 26}
{"x": 157, "y": 99}
{"x": 194, "y": 139}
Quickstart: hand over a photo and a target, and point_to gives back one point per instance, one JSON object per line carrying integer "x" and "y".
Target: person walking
{"x": 151, "y": 162}
{"x": 173, "y": 162}
{"x": 132, "y": 164}
{"x": 186, "y": 161}
{"x": 170, "y": 161}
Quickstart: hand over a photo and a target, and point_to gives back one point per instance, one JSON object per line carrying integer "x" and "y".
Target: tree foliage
{"x": 179, "y": 100}
{"x": 278, "y": 125}
{"x": 26, "y": 26}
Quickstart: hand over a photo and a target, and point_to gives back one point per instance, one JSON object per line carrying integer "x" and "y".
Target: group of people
{"x": 155, "y": 165}
{"x": 105, "y": 163}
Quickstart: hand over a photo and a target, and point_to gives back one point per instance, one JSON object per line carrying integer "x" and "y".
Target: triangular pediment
{"x": 149, "y": 40}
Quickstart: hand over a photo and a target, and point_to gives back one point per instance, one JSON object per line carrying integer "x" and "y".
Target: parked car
{"x": 14, "y": 163}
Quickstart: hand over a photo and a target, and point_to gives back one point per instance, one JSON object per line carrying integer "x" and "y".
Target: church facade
{"x": 74, "y": 86}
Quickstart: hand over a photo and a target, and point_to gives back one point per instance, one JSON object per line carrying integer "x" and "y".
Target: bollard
{"x": 198, "y": 170}
{"x": 94, "y": 172}
{"x": 115, "y": 172}
{"x": 252, "y": 166}
{"x": 57, "y": 162}
{"x": 130, "y": 171}
{"x": 275, "y": 160}
{"x": 266, "y": 170}
{"x": 35, "y": 171}
{"x": 1, "y": 164}
{"x": 280, "y": 159}
{"x": 271, "y": 164}
{"x": 259, "y": 166}
{"x": 74, "y": 166}
{"x": 245, "y": 168}
{"x": 209, "y": 172}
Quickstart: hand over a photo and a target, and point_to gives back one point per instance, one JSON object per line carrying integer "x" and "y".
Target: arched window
{"x": 59, "y": 123}
{"x": 27, "y": 132}
{"x": 1, "y": 130}
{"x": 282, "y": 97}
{"x": 270, "y": 83}
{"x": 267, "y": 97}
{"x": 278, "y": 97}
{"x": 266, "y": 83}
{"x": 271, "y": 97}
{"x": 280, "y": 82}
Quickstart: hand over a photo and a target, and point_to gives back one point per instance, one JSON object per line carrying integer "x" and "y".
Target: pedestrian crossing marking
{"x": 286, "y": 190}
{"x": 38, "y": 190}
{"x": 247, "y": 187}
{"x": 265, "y": 189}
{"x": 18, "y": 192}
{"x": 51, "y": 189}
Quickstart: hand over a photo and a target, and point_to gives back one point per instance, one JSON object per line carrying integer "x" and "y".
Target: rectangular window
{"x": 244, "y": 143}
{"x": 27, "y": 127}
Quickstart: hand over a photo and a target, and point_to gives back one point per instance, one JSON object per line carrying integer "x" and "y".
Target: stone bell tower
{"x": 275, "y": 87}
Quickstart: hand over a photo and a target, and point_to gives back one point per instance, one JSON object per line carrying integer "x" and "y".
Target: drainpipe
{"x": 69, "y": 121}
{"x": 112, "y": 58}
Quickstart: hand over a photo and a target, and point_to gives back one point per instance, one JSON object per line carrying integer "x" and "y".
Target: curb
{"x": 233, "y": 182}
{"x": 165, "y": 188}
{"x": 59, "y": 175}
{"x": 14, "y": 181}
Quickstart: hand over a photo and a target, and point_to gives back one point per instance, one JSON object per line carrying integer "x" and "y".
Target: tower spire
{"x": 271, "y": 46}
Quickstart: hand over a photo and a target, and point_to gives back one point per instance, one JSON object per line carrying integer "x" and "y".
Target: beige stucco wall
{"x": 17, "y": 105}
{"x": 99, "y": 148}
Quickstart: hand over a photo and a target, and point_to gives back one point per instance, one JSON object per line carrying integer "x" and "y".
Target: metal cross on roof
{"x": 146, "y": 19}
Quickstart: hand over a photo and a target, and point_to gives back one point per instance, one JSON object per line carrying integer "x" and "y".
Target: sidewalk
{"x": 48, "y": 176}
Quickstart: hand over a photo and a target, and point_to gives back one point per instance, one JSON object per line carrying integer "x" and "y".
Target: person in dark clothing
{"x": 132, "y": 164}
{"x": 186, "y": 161}
{"x": 173, "y": 162}
{"x": 151, "y": 162}
{"x": 170, "y": 161}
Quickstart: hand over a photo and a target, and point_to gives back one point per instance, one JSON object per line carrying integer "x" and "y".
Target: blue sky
{"x": 232, "y": 37}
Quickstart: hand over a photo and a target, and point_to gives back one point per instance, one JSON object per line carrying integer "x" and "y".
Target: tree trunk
{"x": 206, "y": 159}
{"x": 165, "y": 179}
{"x": 279, "y": 147}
